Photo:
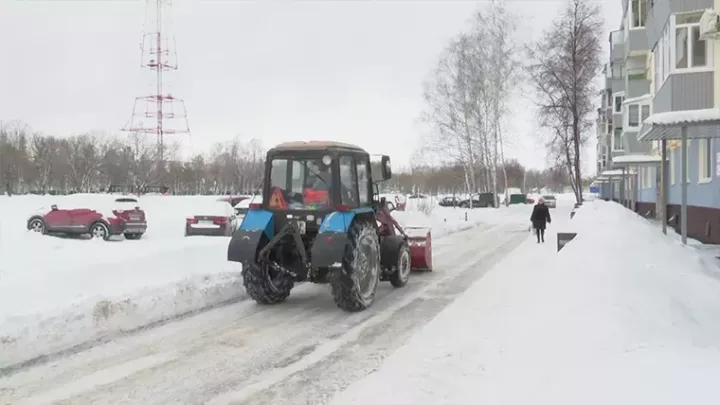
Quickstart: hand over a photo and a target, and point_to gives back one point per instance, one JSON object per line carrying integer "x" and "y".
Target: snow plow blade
{"x": 420, "y": 240}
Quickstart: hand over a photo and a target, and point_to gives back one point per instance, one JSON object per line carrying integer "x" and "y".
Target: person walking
{"x": 539, "y": 218}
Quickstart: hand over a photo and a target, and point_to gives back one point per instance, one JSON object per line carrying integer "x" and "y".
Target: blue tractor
{"x": 320, "y": 220}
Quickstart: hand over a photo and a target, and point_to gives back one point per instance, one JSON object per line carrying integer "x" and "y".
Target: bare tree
{"x": 495, "y": 74}
{"x": 565, "y": 64}
{"x": 467, "y": 97}
{"x": 450, "y": 111}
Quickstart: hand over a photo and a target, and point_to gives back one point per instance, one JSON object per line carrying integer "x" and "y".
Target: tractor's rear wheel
{"x": 402, "y": 272}
{"x": 266, "y": 286}
{"x": 355, "y": 284}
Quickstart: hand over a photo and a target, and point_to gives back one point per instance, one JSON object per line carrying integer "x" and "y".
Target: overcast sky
{"x": 275, "y": 70}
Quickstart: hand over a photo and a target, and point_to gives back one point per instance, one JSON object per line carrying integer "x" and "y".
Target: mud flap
{"x": 328, "y": 249}
{"x": 389, "y": 250}
{"x": 244, "y": 245}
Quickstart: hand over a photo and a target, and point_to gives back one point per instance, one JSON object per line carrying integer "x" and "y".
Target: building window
{"x": 690, "y": 51}
{"x": 705, "y": 159}
{"x": 617, "y": 140}
{"x": 636, "y": 114}
{"x": 618, "y": 102}
{"x": 642, "y": 177}
{"x": 638, "y": 13}
{"x": 633, "y": 115}
{"x": 671, "y": 167}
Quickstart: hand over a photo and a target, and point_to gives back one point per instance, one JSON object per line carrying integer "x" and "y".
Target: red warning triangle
{"x": 277, "y": 200}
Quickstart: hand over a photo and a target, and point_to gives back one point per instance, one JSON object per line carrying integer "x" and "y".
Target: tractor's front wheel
{"x": 355, "y": 284}
{"x": 266, "y": 286}
{"x": 402, "y": 272}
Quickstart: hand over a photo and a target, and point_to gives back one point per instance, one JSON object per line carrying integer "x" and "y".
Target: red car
{"x": 110, "y": 215}
{"x": 232, "y": 199}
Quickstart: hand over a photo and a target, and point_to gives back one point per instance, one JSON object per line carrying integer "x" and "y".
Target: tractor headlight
{"x": 327, "y": 159}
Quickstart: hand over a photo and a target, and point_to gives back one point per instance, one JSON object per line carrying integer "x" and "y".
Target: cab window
{"x": 303, "y": 184}
{"x": 363, "y": 181}
{"x": 348, "y": 181}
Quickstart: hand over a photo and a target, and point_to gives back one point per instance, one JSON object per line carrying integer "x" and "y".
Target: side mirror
{"x": 54, "y": 207}
{"x": 386, "y": 168}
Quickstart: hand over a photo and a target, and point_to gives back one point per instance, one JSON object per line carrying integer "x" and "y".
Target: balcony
{"x": 636, "y": 83}
{"x": 637, "y": 43}
{"x": 617, "y": 46}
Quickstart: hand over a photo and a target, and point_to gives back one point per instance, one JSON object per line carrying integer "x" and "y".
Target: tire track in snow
{"x": 351, "y": 361}
{"x": 233, "y": 346}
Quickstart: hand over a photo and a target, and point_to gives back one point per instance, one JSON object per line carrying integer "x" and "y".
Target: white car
{"x": 213, "y": 218}
{"x": 243, "y": 206}
{"x": 550, "y": 201}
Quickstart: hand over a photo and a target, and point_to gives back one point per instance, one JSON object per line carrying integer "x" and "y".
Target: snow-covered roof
{"x": 626, "y": 160}
{"x": 637, "y": 99}
{"x": 667, "y": 125}
{"x": 611, "y": 173}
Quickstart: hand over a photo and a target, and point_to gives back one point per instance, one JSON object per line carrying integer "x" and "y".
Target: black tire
{"x": 37, "y": 225}
{"x": 363, "y": 243}
{"x": 99, "y": 230}
{"x": 463, "y": 205}
{"x": 263, "y": 290}
{"x": 133, "y": 236}
{"x": 401, "y": 275}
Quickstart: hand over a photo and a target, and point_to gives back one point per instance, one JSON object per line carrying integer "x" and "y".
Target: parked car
{"x": 479, "y": 200}
{"x": 449, "y": 201}
{"x": 234, "y": 200}
{"x": 243, "y": 206}
{"x": 518, "y": 199}
{"x": 99, "y": 215}
{"x": 550, "y": 201}
{"x": 216, "y": 218}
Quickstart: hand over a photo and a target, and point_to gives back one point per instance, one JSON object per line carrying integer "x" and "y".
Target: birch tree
{"x": 496, "y": 75}
{"x": 564, "y": 65}
{"x": 450, "y": 106}
{"x": 467, "y": 96}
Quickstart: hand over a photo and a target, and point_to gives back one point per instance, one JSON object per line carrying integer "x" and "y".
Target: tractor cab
{"x": 306, "y": 181}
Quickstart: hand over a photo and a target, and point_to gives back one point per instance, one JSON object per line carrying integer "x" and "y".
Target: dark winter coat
{"x": 540, "y": 216}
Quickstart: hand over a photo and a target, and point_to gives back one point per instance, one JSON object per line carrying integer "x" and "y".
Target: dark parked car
{"x": 449, "y": 202}
{"x": 479, "y": 200}
{"x": 102, "y": 216}
{"x": 216, "y": 218}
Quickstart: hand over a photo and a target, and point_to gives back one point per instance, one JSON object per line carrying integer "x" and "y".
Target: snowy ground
{"x": 301, "y": 351}
{"x": 622, "y": 314}
{"x": 58, "y": 294}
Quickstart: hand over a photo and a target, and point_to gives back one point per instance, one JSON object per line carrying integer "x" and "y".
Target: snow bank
{"x": 56, "y": 292}
{"x": 447, "y": 220}
{"x": 620, "y": 315}
{"x": 23, "y": 338}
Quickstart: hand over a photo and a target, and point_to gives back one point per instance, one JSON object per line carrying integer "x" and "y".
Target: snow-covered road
{"x": 300, "y": 352}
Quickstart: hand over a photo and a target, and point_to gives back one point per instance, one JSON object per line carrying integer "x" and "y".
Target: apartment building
{"x": 626, "y": 98}
{"x": 668, "y": 67}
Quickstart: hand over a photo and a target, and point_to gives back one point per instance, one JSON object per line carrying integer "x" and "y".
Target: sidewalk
{"x": 622, "y": 315}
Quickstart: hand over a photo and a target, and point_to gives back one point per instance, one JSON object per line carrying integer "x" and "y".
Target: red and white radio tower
{"x": 151, "y": 112}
